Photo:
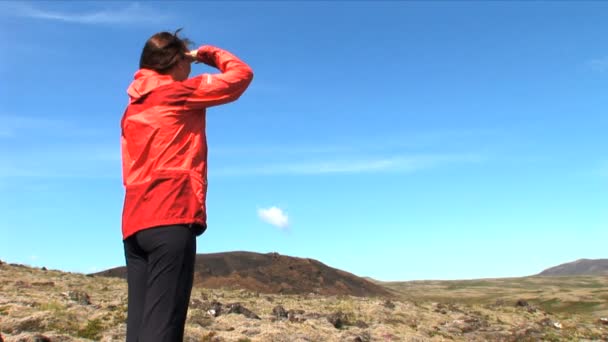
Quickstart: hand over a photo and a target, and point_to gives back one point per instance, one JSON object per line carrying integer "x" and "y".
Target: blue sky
{"x": 396, "y": 140}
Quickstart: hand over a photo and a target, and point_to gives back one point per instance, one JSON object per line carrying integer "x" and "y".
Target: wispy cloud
{"x": 600, "y": 64}
{"x": 61, "y": 161}
{"x": 12, "y": 126}
{"x": 274, "y": 216}
{"x": 414, "y": 140}
{"x": 601, "y": 170}
{"x": 393, "y": 164}
{"x": 126, "y": 14}
{"x": 35, "y": 147}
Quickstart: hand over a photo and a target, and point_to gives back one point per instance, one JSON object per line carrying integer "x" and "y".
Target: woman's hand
{"x": 192, "y": 55}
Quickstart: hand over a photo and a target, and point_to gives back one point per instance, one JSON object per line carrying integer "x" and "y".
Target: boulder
{"x": 279, "y": 312}
{"x": 79, "y": 297}
{"x": 238, "y": 308}
{"x": 338, "y": 319}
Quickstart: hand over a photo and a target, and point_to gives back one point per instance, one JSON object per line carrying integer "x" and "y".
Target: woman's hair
{"x": 163, "y": 50}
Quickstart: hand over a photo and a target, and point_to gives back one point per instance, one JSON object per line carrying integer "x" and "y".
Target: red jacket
{"x": 164, "y": 146}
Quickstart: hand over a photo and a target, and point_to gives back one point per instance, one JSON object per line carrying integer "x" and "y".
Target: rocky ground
{"x": 47, "y": 305}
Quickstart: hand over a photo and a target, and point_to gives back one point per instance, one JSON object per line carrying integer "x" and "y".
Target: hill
{"x": 578, "y": 267}
{"x": 274, "y": 274}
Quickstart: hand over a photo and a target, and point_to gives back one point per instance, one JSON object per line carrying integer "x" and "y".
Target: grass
{"x": 92, "y": 330}
{"x": 486, "y": 305}
{"x": 51, "y": 306}
{"x": 208, "y": 337}
{"x": 64, "y": 323}
{"x": 4, "y": 310}
{"x": 555, "y": 305}
{"x": 584, "y": 295}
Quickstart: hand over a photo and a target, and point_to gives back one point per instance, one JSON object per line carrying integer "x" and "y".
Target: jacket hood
{"x": 145, "y": 81}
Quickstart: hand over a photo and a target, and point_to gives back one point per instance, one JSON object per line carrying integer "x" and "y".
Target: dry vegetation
{"x": 36, "y": 304}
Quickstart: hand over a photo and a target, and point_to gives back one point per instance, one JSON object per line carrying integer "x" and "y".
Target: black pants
{"x": 160, "y": 271}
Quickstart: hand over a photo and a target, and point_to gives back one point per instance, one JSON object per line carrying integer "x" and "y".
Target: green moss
{"x": 4, "y": 310}
{"x": 557, "y": 306}
{"x": 209, "y": 337}
{"x": 51, "y": 306}
{"x": 67, "y": 327}
{"x": 92, "y": 330}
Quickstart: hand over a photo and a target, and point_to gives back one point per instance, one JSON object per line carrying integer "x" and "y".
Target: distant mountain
{"x": 273, "y": 273}
{"x": 578, "y": 267}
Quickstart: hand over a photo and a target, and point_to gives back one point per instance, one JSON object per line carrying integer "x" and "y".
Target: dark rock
{"x": 524, "y": 304}
{"x": 338, "y": 319}
{"x": 237, "y": 308}
{"x": 473, "y": 324}
{"x": 44, "y": 284}
{"x": 388, "y": 304}
{"x": 279, "y": 312}
{"x": 211, "y": 337}
{"x": 361, "y": 324}
{"x": 454, "y": 308}
{"x": 44, "y": 268}
{"x": 22, "y": 284}
{"x": 525, "y": 333}
{"x": 545, "y": 322}
{"x": 41, "y": 338}
{"x": 441, "y": 309}
{"x": 251, "y": 332}
{"x": 79, "y": 297}
{"x": 296, "y": 316}
{"x": 196, "y": 304}
{"x": 466, "y": 328}
{"x": 214, "y": 308}
{"x": 364, "y": 337}
{"x": 31, "y": 324}
{"x": 314, "y": 315}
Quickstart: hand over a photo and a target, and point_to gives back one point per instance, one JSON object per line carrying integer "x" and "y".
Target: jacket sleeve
{"x": 215, "y": 89}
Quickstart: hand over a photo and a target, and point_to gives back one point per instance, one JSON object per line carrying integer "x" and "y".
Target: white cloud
{"x": 133, "y": 13}
{"x": 600, "y": 64}
{"x": 275, "y": 216}
{"x": 392, "y": 164}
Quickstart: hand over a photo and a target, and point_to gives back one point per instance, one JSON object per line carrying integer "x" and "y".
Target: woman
{"x": 164, "y": 156}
